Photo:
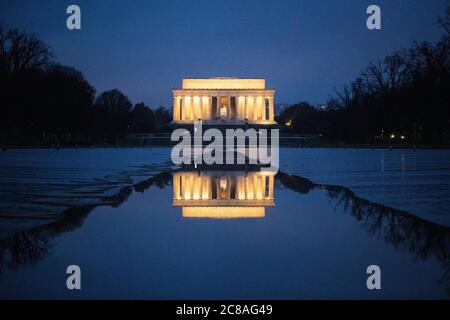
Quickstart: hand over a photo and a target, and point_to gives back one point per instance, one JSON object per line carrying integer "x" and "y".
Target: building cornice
{"x": 223, "y": 92}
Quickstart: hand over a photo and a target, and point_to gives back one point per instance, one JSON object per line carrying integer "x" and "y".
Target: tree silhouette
{"x": 401, "y": 98}
{"x": 113, "y": 101}
{"x": 142, "y": 118}
{"x": 43, "y": 102}
{"x": 20, "y": 51}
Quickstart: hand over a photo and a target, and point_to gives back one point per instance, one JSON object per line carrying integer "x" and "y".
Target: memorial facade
{"x": 223, "y": 101}
{"x": 223, "y": 194}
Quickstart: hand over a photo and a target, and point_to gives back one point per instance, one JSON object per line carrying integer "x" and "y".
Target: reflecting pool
{"x": 182, "y": 233}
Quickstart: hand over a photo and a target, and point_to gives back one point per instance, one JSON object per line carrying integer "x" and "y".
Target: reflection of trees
{"x": 298, "y": 184}
{"x": 160, "y": 180}
{"x": 30, "y": 246}
{"x": 403, "y": 230}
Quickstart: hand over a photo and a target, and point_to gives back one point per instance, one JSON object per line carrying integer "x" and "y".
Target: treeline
{"x": 402, "y": 98}
{"x": 43, "y": 102}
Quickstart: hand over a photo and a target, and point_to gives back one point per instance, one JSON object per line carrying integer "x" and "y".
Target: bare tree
{"x": 395, "y": 70}
{"x": 20, "y": 51}
{"x": 425, "y": 59}
{"x": 2, "y": 47}
{"x": 444, "y": 22}
{"x": 374, "y": 77}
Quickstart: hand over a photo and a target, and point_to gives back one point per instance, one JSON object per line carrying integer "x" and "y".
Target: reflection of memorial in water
{"x": 223, "y": 194}
{"x": 422, "y": 240}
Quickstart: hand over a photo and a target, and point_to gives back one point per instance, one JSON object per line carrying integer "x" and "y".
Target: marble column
{"x": 240, "y": 106}
{"x": 264, "y": 109}
{"x": 197, "y": 108}
{"x": 218, "y": 188}
{"x": 182, "y": 109}
{"x": 259, "y": 108}
{"x": 271, "y": 109}
{"x": 228, "y": 108}
{"x": 258, "y": 187}
{"x": 218, "y": 107}
{"x": 176, "y": 108}
{"x": 198, "y": 184}
{"x": 204, "y": 107}
{"x": 271, "y": 182}
{"x": 191, "y": 108}
{"x": 187, "y": 108}
{"x": 206, "y": 187}
{"x": 245, "y": 108}
{"x": 176, "y": 187}
{"x": 211, "y": 116}
{"x": 250, "y": 104}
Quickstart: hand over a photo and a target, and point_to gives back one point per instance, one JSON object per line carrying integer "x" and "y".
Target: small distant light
{"x": 289, "y": 122}
{"x": 392, "y": 136}
{"x": 402, "y": 137}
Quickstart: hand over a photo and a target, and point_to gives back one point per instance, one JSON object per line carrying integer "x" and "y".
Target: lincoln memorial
{"x": 223, "y": 194}
{"x": 223, "y": 101}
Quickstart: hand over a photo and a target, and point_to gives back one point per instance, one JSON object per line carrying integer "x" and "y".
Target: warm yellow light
{"x": 402, "y": 137}
{"x": 224, "y": 83}
{"x": 259, "y": 100}
{"x": 392, "y": 136}
{"x": 252, "y": 189}
{"x": 223, "y": 212}
{"x": 289, "y": 122}
{"x": 196, "y": 100}
{"x": 223, "y": 183}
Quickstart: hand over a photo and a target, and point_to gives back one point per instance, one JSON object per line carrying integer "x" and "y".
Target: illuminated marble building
{"x": 220, "y": 194}
{"x": 224, "y": 101}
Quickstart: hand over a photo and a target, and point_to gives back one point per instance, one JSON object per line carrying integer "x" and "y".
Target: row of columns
{"x": 194, "y": 187}
{"x": 192, "y": 108}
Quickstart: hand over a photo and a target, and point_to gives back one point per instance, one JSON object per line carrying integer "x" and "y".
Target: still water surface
{"x": 307, "y": 232}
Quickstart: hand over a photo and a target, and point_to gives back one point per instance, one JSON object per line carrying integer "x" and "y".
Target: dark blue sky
{"x": 303, "y": 48}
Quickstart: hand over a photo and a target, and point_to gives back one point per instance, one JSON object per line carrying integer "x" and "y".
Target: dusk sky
{"x": 303, "y": 48}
